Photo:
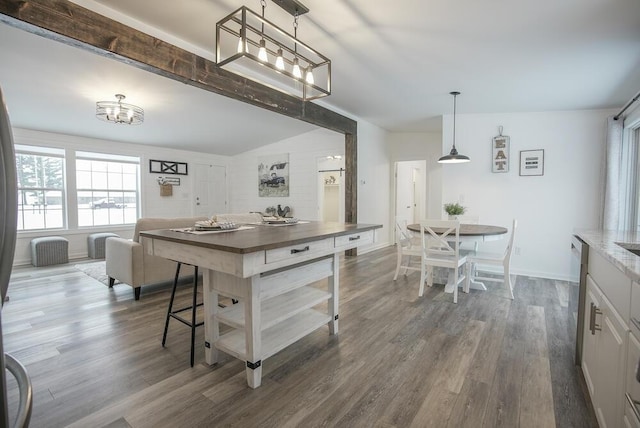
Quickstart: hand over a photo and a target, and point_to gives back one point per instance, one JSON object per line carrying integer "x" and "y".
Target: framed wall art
{"x": 500, "y": 153}
{"x": 273, "y": 175}
{"x": 167, "y": 167}
{"x": 532, "y": 162}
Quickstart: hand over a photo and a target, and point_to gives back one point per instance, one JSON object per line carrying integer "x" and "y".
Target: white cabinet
{"x": 605, "y": 340}
{"x": 631, "y": 417}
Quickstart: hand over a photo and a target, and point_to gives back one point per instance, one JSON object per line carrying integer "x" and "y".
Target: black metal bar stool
{"x": 174, "y": 314}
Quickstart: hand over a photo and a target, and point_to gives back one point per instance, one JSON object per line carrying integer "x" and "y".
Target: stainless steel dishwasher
{"x": 580, "y": 258}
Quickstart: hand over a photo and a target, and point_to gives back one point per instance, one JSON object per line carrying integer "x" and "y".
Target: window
{"x": 41, "y": 202}
{"x": 107, "y": 187}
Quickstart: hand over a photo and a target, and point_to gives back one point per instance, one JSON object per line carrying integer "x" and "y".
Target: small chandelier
{"x": 250, "y": 45}
{"x": 119, "y": 112}
{"x": 453, "y": 156}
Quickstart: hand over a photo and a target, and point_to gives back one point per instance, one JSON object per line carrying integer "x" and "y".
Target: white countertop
{"x": 604, "y": 242}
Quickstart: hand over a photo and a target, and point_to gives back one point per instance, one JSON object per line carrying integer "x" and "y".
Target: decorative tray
{"x": 215, "y": 226}
{"x": 282, "y": 221}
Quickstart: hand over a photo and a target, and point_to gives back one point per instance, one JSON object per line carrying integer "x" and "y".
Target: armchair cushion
{"x": 130, "y": 263}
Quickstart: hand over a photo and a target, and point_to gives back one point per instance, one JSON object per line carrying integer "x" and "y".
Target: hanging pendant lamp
{"x": 453, "y": 156}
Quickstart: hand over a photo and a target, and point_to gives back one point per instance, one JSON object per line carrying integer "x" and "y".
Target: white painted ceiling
{"x": 394, "y": 64}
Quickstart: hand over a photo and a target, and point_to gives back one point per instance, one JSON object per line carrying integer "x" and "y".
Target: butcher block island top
{"x": 273, "y": 272}
{"x": 246, "y": 252}
{"x": 262, "y": 237}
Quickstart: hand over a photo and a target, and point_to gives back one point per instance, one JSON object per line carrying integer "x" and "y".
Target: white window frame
{"x": 106, "y": 157}
{"x": 22, "y": 149}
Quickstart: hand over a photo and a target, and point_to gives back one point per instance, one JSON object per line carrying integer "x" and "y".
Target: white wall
{"x": 151, "y": 203}
{"x": 374, "y": 182}
{"x": 549, "y": 207}
{"x": 421, "y": 146}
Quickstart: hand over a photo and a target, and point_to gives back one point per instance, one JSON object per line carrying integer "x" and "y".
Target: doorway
{"x": 331, "y": 176}
{"x": 210, "y": 190}
{"x": 411, "y": 191}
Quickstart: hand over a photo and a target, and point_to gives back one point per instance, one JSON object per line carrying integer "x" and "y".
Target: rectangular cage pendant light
{"x": 249, "y": 45}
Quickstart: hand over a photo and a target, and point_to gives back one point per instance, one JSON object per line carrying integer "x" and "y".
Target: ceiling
{"x": 393, "y": 63}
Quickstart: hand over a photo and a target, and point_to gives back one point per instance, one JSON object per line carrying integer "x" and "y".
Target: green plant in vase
{"x": 454, "y": 209}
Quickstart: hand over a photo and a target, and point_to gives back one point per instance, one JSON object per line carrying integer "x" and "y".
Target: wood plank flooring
{"x": 95, "y": 358}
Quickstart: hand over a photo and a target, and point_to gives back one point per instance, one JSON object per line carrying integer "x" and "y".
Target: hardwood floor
{"x": 95, "y": 358}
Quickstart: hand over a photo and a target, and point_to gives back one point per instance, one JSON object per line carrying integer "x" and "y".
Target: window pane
{"x": 27, "y": 170}
{"x": 52, "y": 173}
{"x": 99, "y": 166}
{"x": 83, "y": 179}
{"x": 129, "y": 181}
{"x": 99, "y": 180}
{"x": 129, "y": 168}
{"x": 115, "y": 180}
{"x": 83, "y": 165}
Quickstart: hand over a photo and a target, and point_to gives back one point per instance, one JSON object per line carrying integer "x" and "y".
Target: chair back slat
{"x": 440, "y": 237}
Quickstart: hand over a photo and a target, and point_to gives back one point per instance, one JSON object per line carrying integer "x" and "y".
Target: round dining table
{"x": 471, "y": 233}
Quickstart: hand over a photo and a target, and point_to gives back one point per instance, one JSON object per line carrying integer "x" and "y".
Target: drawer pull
{"x": 592, "y": 319}
{"x": 354, "y": 238}
{"x": 296, "y": 251}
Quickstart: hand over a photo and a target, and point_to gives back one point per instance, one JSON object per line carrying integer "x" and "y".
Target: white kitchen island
{"x": 269, "y": 271}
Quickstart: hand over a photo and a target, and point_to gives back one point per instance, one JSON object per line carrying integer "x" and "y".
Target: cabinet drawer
{"x": 302, "y": 252}
{"x": 613, "y": 283}
{"x": 354, "y": 239}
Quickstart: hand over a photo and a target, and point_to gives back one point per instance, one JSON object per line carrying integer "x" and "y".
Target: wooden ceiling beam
{"x": 69, "y": 23}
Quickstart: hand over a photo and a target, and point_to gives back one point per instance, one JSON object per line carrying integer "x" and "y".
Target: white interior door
{"x": 411, "y": 191}
{"x": 405, "y": 191}
{"x": 210, "y": 193}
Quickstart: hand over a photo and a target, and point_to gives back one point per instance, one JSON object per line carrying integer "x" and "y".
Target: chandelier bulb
{"x": 262, "y": 52}
{"x": 279, "y": 60}
{"x": 296, "y": 69}
{"x": 309, "y": 77}
{"x": 242, "y": 47}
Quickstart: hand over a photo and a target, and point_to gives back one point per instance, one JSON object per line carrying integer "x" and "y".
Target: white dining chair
{"x": 479, "y": 258}
{"x": 408, "y": 248}
{"x": 441, "y": 248}
{"x": 468, "y": 219}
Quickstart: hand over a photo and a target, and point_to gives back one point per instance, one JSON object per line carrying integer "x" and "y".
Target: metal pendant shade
{"x": 454, "y": 156}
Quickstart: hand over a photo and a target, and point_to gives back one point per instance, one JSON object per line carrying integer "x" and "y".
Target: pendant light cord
{"x": 295, "y": 32}
{"x": 454, "y": 120}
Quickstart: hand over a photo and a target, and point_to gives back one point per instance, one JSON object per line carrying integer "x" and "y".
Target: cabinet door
{"x": 633, "y": 386}
{"x": 611, "y": 364}
{"x": 590, "y": 339}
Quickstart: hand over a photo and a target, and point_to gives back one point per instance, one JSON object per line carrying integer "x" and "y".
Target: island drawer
{"x": 304, "y": 251}
{"x": 354, "y": 239}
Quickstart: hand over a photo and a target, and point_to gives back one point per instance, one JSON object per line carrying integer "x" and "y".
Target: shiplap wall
{"x": 304, "y": 152}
